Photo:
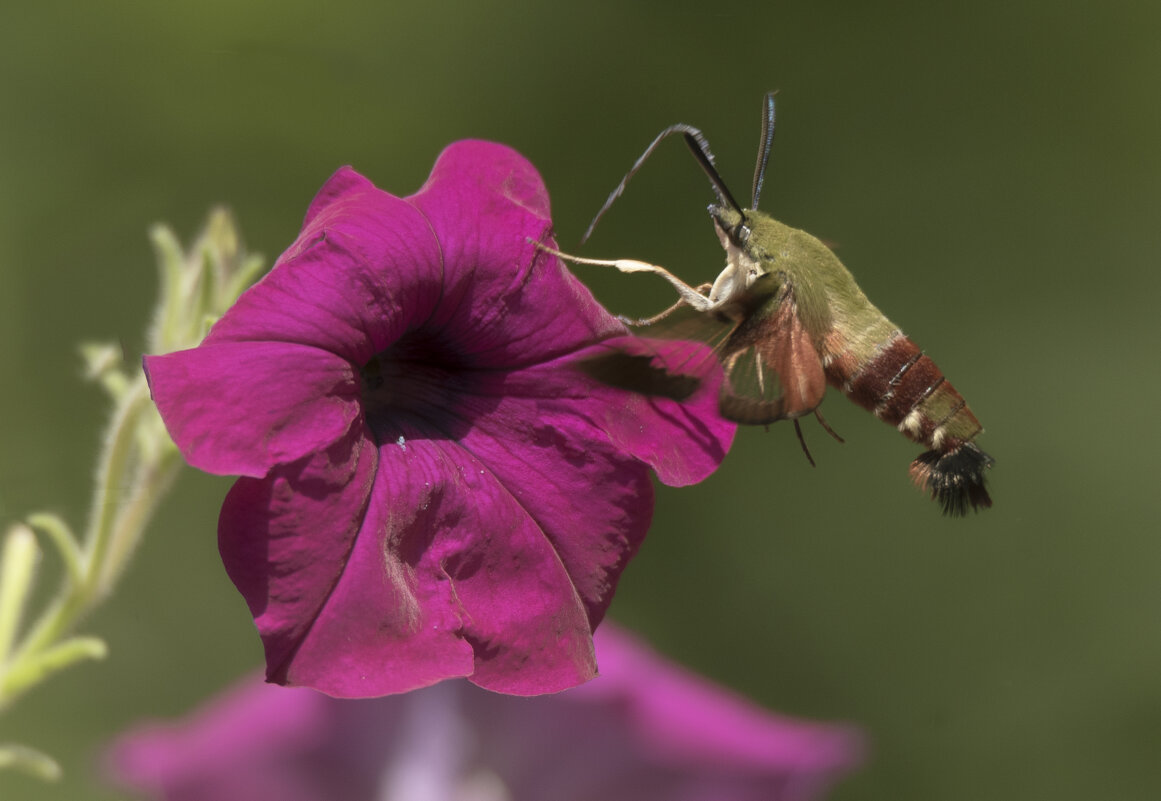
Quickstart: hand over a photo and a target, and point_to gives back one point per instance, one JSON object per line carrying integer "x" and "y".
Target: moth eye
{"x": 742, "y": 234}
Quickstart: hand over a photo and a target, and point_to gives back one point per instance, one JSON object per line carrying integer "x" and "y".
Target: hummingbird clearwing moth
{"x": 785, "y": 319}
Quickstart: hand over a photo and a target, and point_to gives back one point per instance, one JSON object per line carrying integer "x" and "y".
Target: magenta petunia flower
{"x": 429, "y": 488}
{"x": 645, "y": 730}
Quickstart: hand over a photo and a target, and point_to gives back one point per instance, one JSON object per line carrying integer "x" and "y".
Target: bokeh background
{"x": 990, "y": 171}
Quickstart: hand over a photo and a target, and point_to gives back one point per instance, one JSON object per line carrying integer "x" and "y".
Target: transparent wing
{"x": 773, "y": 370}
{"x": 752, "y": 392}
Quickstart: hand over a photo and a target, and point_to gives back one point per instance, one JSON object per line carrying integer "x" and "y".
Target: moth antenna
{"x": 700, "y": 148}
{"x": 802, "y": 442}
{"x": 826, "y": 426}
{"x": 764, "y": 142}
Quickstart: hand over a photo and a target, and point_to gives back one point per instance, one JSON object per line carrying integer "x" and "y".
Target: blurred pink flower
{"x": 429, "y": 488}
{"x": 646, "y": 730}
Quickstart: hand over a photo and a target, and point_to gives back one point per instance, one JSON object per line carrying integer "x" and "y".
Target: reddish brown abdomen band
{"x": 902, "y": 386}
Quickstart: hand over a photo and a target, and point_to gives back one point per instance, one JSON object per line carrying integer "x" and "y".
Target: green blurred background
{"x": 990, "y": 171}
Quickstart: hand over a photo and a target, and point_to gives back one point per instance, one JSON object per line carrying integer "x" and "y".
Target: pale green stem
{"x": 17, "y": 568}
{"x": 33, "y": 668}
{"x": 134, "y": 514}
{"x": 170, "y": 260}
{"x": 60, "y": 535}
{"x": 29, "y": 760}
{"x": 137, "y": 465}
{"x": 112, "y": 475}
{"x": 80, "y": 594}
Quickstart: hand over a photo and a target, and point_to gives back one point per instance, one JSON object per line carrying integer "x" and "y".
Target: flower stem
{"x": 17, "y": 566}
{"x": 137, "y": 465}
{"x": 35, "y": 667}
{"x": 60, "y": 535}
{"x": 105, "y": 513}
{"x": 114, "y": 531}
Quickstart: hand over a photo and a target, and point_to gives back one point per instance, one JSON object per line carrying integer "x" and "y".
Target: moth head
{"x": 735, "y": 232}
{"x": 732, "y": 226}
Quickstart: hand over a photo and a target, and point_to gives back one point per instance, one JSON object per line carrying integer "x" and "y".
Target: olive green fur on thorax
{"x": 827, "y": 298}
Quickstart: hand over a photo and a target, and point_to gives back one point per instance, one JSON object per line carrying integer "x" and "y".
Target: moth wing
{"x": 682, "y": 321}
{"x": 773, "y": 370}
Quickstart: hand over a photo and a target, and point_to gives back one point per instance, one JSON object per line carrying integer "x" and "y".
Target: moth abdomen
{"x": 902, "y": 386}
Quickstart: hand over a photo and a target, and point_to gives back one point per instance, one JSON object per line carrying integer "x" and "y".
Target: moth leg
{"x": 827, "y": 427}
{"x": 688, "y": 294}
{"x": 638, "y": 322}
{"x": 802, "y": 442}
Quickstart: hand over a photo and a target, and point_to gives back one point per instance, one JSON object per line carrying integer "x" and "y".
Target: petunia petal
{"x": 506, "y": 303}
{"x": 687, "y": 718}
{"x": 241, "y": 408}
{"x": 649, "y": 730}
{"x": 683, "y": 442}
{"x": 239, "y": 745}
{"x": 284, "y": 539}
{"x": 437, "y": 573}
{"x": 365, "y": 269}
{"x": 549, "y": 459}
{"x": 611, "y": 740}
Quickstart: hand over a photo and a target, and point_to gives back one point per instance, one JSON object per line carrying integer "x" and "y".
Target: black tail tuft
{"x": 954, "y": 478}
